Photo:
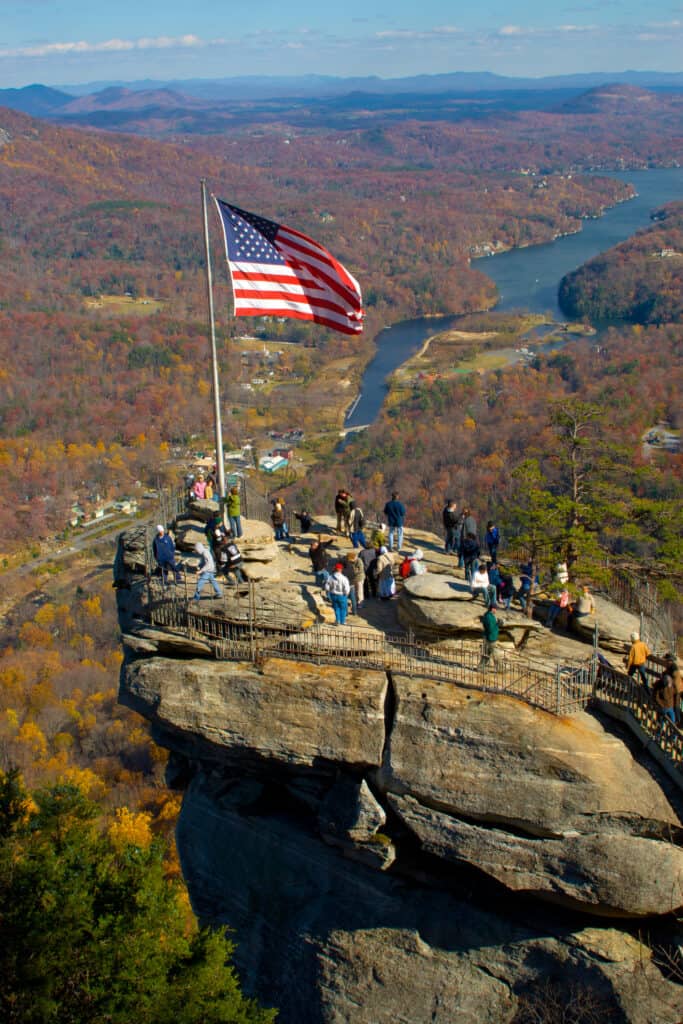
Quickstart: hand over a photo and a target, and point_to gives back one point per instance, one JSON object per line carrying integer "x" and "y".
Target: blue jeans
{"x": 392, "y": 531}
{"x": 321, "y": 577}
{"x": 340, "y": 604}
{"x": 235, "y": 525}
{"x": 358, "y": 539}
{"x": 640, "y": 670}
{"x": 207, "y": 577}
{"x": 471, "y": 567}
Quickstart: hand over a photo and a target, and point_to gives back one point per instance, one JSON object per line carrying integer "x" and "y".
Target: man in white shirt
{"x": 338, "y": 588}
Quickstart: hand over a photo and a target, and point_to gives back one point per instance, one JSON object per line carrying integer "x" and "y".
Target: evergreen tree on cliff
{"x": 91, "y": 931}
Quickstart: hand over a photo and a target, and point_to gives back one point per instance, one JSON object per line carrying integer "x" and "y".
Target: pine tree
{"x": 92, "y": 932}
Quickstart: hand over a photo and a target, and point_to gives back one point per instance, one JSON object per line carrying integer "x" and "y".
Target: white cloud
{"x": 407, "y": 34}
{"x": 106, "y": 46}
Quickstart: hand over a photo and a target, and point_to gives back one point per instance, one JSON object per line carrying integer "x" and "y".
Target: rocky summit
{"x": 391, "y": 847}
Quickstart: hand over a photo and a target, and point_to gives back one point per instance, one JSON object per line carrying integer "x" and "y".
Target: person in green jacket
{"x": 234, "y": 511}
{"x": 491, "y": 629}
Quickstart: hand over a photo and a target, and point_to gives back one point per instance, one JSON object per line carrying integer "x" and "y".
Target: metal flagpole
{"x": 220, "y": 462}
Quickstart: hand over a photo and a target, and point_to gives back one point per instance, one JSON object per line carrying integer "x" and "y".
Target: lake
{"x": 527, "y": 279}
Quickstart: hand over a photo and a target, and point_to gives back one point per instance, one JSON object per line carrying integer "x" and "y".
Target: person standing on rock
{"x": 356, "y": 523}
{"x": 492, "y": 540}
{"x": 450, "y": 524}
{"x": 207, "y": 572}
{"x": 354, "y": 570}
{"x": 386, "y": 587}
{"x": 395, "y": 512}
{"x": 164, "y": 553}
{"x": 234, "y": 510}
{"x": 368, "y": 556}
{"x": 637, "y": 659}
{"x": 490, "y": 654}
{"x": 470, "y": 551}
{"x": 342, "y": 507}
{"x": 199, "y": 487}
{"x": 277, "y": 518}
{"x": 338, "y": 587}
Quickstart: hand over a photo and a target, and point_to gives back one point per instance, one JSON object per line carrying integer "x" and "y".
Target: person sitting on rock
{"x": 583, "y": 606}
{"x": 636, "y": 659}
{"x": 482, "y": 585}
{"x": 164, "y": 554}
{"x": 506, "y": 588}
{"x": 559, "y": 605}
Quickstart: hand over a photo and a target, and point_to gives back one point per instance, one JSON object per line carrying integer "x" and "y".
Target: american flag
{"x": 277, "y": 271}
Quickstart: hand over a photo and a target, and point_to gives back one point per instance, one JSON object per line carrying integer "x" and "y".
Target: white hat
{"x": 634, "y": 636}
{"x": 161, "y": 529}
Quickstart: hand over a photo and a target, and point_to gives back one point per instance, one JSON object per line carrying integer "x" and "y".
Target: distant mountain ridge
{"x": 40, "y": 100}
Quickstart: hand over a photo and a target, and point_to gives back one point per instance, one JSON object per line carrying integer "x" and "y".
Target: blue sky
{"x": 79, "y": 41}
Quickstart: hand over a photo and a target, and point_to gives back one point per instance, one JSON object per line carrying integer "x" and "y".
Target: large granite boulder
{"x": 615, "y": 873}
{"x": 435, "y": 604}
{"x": 291, "y": 712}
{"x": 328, "y": 940}
{"x": 493, "y": 759}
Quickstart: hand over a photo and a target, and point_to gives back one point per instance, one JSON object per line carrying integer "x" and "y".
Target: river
{"x": 527, "y": 279}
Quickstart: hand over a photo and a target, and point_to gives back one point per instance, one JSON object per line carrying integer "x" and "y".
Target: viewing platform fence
{"x": 255, "y": 632}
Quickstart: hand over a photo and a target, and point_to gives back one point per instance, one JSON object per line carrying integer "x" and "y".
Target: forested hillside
{"x": 640, "y": 280}
{"x": 504, "y": 444}
{"x": 102, "y": 314}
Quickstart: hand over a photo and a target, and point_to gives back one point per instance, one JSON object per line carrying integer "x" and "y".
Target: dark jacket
{"x": 164, "y": 549}
{"x": 451, "y": 517}
{"x": 470, "y": 548}
{"x": 318, "y": 555}
{"x": 395, "y": 511}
